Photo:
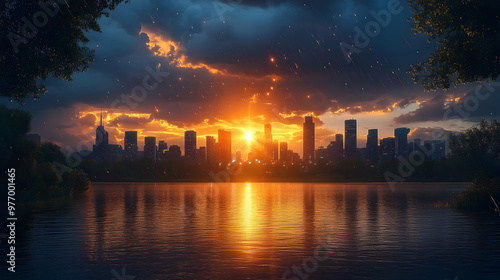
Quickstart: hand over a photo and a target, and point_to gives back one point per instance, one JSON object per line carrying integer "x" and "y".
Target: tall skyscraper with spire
{"x": 101, "y": 135}
{"x": 101, "y": 142}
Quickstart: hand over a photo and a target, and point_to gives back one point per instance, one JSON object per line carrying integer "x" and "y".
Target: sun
{"x": 249, "y": 136}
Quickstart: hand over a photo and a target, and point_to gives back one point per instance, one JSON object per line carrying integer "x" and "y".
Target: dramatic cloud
{"x": 239, "y": 66}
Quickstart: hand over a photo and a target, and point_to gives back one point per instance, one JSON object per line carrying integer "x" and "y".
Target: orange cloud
{"x": 162, "y": 46}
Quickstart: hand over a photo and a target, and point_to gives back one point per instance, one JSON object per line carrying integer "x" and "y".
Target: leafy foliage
{"x": 468, "y": 35}
{"x": 482, "y": 141}
{"x": 36, "y": 177}
{"x": 35, "y": 47}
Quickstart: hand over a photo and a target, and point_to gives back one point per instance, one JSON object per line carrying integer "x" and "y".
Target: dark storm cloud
{"x": 302, "y": 37}
{"x": 478, "y": 103}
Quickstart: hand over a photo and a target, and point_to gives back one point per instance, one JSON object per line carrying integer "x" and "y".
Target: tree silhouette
{"x": 468, "y": 35}
{"x": 45, "y": 38}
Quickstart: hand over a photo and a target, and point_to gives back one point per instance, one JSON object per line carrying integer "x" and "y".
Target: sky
{"x": 163, "y": 67}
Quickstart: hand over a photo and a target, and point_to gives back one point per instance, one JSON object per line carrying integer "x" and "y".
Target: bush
{"x": 478, "y": 196}
{"x": 75, "y": 181}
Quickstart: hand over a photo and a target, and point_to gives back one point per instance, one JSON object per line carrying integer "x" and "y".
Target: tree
{"x": 483, "y": 141}
{"x": 45, "y": 38}
{"x": 479, "y": 148}
{"x": 468, "y": 34}
{"x": 49, "y": 153}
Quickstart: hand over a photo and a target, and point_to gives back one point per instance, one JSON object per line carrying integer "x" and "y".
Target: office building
{"x": 351, "y": 137}
{"x": 225, "y": 155}
{"x": 387, "y": 148}
{"x": 434, "y": 149}
{"x": 401, "y": 141}
{"x": 190, "y": 144}
{"x": 150, "y": 148}
{"x": 201, "y": 155}
{"x": 308, "y": 139}
{"x": 130, "y": 148}
{"x": 276, "y": 151}
{"x": 372, "y": 145}
{"x": 174, "y": 153}
{"x": 211, "y": 150}
{"x": 101, "y": 135}
{"x": 321, "y": 154}
{"x": 268, "y": 141}
{"x": 284, "y": 152}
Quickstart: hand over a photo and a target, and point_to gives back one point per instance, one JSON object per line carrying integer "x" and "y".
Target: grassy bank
{"x": 478, "y": 196}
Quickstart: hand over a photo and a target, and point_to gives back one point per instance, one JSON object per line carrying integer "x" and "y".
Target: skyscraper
{"x": 101, "y": 135}
{"x": 351, "y": 137}
{"x": 276, "y": 151}
{"x": 372, "y": 145}
{"x": 284, "y": 152}
{"x": 339, "y": 140}
{"x": 387, "y": 148}
{"x": 211, "y": 150}
{"x": 201, "y": 155}
{"x": 101, "y": 142}
{"x": 335, "y": 150}
{"x": 308, "y": 139}
{"x": 162, "y": 149}
{"x": 401, "y": 141}
{"x": 130, "y": 144}
{"x": 174, "y": 152}
{"x": 150, "y": 148}
{"x": 225, "y": 155}
{"x": 190, "y": 144}
{"x": 268, "y": 141}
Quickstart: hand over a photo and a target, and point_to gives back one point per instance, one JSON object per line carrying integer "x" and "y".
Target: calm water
{"x": 259, "y": 231}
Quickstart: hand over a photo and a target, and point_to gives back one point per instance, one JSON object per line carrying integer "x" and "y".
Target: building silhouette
{"x": 387, "y": 148}
{"x": 284, "y": 152}
{"x": 150, "y": 148}
{"x": 190, "y": 144}
{"x": 211, "y": 150}
{"x": 268, "y": 142}
{"x": 372, "y": 145}
{"x": 434, "y": 149}
{"x": 101, "y": 142}
{"x": 201, "y": 155}
{"x": 335, "y": 150}
{"x": 130, "y": 147}
{"x": 101, "y": 135}
{"x": 321, "y": 154}
{"x": 162, "y": 149}
{"x": 308, "y": 139}
{"x": 401, "y": 141}
{"x": 174, "y": 153}
{"x": 276, "y": 150}
{"x": 225, "y": 155}
{"x": 351, "y": 146}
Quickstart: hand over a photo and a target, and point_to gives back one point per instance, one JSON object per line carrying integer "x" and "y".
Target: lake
{"x": 259, "y": 231}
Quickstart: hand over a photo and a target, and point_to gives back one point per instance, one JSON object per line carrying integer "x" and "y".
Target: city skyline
{"x": 260, "y": 146}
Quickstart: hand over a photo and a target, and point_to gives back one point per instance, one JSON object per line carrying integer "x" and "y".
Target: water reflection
{"x": 258, "y": 231}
